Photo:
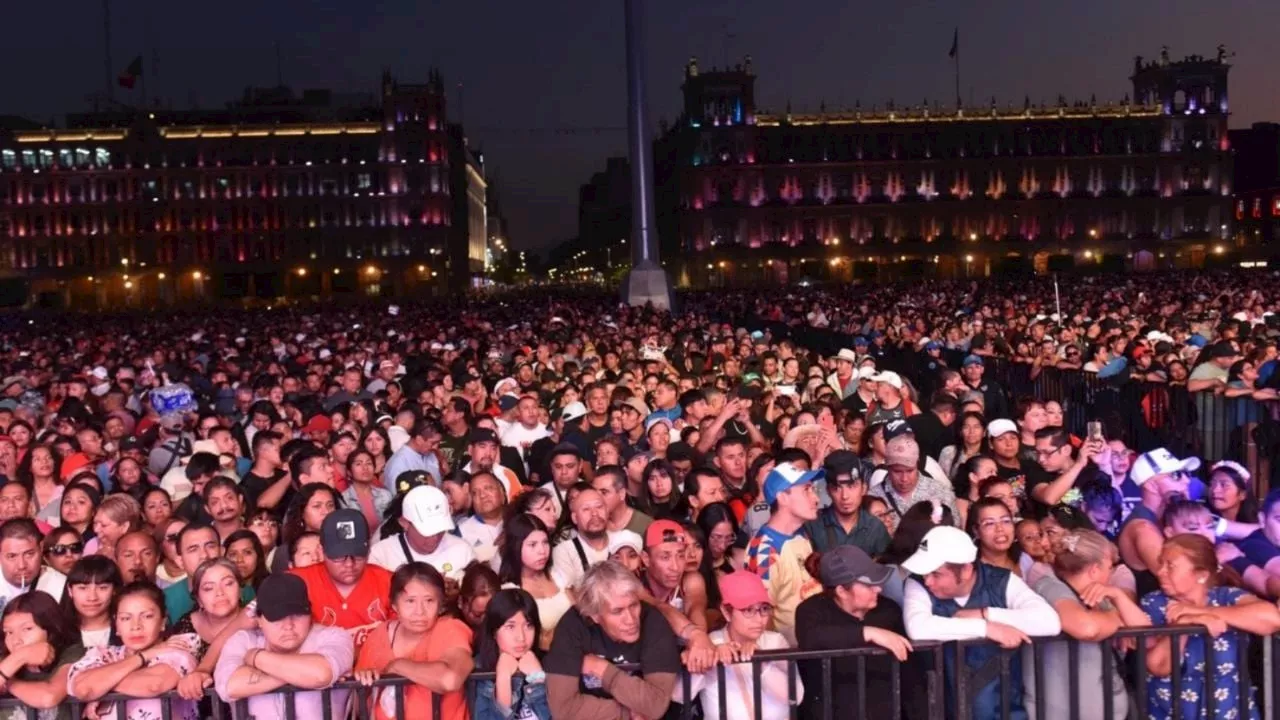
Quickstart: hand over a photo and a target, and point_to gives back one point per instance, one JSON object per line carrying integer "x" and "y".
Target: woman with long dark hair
{"x": 40, "y": 645}
{"x": 76, "y": 507}
{"x": 991, "y": 526}
{"x": 538, "y": 503}
{"x": 657, "y": 496}
{"x": 306, "y": 513}
{"x": 244, "y": 550}
{"x": 721, "y": 528}
{"x": 375, "y": 441}
{"x": 127, "y": 476}
{"x": 526, "y": 563}
{"x": 1231, "y": 492}
{"x": 422, "y": 644}
{"x": 142, "y": 666}
{"x": 364, "y": 488}
{"x": 61, "y": 549}
{"x": 40, "y": 471}
{"x": 508, "y": 647}
{"x": 93, "y": 585}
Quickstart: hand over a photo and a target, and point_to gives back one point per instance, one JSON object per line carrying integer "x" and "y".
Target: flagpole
{"x": 957, "y": 47}
{"x": 106, "y": 47}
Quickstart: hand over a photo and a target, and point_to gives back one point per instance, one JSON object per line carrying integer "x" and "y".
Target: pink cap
{"x": 743, "y": 589}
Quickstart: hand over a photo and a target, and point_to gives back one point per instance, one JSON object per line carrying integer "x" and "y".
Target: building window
{"x": 28, "y": 159}
{"x": 363, "y": 181}
{"x": 103, "y": 157}
{"x": 9, "y": 159}
{"x": 65, "y": 159}
{"x": 82, "y": 158}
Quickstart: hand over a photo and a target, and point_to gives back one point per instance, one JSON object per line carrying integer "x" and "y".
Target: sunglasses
{"x": 72, "y": 549}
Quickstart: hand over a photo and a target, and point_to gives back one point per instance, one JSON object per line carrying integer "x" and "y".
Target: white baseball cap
{"x": 1160, "y": 462}
{"x": 867, "y": 372}
{"x": 890, "y": 377}
{"x": 427, "y": 510}
{"x": 942, "y": 545}
{"x": 573, "y": 411}
{"x": 624, "y": 538}
{"x": 1003, "y": 426}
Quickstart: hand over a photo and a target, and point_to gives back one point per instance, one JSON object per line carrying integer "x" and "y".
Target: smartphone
{"x": 1095, "y": 431}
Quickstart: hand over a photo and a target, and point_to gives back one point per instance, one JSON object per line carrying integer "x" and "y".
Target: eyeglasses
{"x": 72, "y": 549}
{"x": 759, "y": 611}
{"x": 171, "y": 538}
{"x": 264, "y": 522}
{"x": 990, "y": 523}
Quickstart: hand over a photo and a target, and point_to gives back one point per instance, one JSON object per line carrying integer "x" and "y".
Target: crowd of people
{"x": 581, "y": 502}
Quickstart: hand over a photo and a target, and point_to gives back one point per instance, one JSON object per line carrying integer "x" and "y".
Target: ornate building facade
{"x": 747, "y": 196}
{"x": 273, "y": 196}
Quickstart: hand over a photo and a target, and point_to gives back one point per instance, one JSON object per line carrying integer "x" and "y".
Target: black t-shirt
{"x": 576, "y": 637}
{"x": 453, "y": 449}
{"x": 820, "y": 625}
{"x": 595, "y": 432}
{"x": 253, "y": 485}
{"x": 1017, "y": 477}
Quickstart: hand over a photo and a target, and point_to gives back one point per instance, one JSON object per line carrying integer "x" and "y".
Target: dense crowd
{"x": 584, "y": 501}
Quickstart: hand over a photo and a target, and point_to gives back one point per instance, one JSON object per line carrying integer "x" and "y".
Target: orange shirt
{"x": 367, "y": 605}
{"x": 448, "y": 634}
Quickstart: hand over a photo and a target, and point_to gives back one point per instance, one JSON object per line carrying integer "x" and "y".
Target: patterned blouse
{"x": 1207, "y": 665}
{"x": 182, "y": 661}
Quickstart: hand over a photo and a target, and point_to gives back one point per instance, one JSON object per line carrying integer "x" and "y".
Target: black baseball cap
{"x": 897, "y": 428}
{"x": 841, "y": 465}
{"x": 481, "y": 435}
{"x": 345, "y": 533}
{"x": 283, "y": 595}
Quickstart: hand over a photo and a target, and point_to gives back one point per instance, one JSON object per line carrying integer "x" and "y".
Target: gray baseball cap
{"x": 846, "y": 564}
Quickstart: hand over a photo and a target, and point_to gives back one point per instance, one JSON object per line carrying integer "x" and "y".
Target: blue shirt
{"x": 406, "y": 459}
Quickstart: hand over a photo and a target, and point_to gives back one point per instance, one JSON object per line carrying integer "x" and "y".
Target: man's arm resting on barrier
{"x": 567, "y": 701}
{"x": 1026, "y": 611}
{"x": 647, "y": 696}
{"x": 923, "y": 624}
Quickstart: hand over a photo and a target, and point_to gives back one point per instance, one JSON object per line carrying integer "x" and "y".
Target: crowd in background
{"x": 584, "y": 501}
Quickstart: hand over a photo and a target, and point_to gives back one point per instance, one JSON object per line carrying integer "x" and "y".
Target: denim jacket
{"x": 484, "y": 704}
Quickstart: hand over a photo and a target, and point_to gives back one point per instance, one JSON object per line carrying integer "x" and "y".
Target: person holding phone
{"x": 1055, "y": 471}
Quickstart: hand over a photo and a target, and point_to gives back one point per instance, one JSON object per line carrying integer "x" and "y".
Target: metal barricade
{"x": 940, "y": 690}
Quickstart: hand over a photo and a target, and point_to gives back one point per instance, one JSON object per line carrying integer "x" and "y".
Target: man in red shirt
{"x": 345, "y": 590}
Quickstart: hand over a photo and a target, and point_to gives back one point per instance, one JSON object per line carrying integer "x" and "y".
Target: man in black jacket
{"x": 851, "y": 613}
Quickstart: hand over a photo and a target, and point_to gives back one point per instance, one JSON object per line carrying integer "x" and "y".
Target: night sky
{"x": 559, "y": 65}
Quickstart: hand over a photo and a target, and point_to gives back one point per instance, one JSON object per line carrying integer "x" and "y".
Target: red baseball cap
{"x": 663, "y": 531}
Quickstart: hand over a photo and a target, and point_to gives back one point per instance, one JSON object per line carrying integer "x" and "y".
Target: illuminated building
{"x": 747, "y": 196}
{"x": 272, "y": 196}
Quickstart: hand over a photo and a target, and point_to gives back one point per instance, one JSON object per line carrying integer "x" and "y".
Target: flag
{"x": 955, "y": 44}
{"x": 131, "y": 73}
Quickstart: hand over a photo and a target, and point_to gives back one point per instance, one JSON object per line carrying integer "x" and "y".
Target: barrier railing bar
{"x": 1073, "y": 678}
{"x": 756, "y": 694}
{"x": 1175, "y": 676}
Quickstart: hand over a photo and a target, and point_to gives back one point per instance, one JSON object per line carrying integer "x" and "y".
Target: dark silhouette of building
{"x": 274, "y": 195}
{"x": 747, "y": 196}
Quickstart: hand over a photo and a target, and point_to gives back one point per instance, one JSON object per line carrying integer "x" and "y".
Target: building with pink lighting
{"x": 748, "y": 196}
{"x": 273, "y": 196}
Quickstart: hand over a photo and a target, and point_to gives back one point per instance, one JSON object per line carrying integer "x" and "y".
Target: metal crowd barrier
{"x": 945, "y": 698}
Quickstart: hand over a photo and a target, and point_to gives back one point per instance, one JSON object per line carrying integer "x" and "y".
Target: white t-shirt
{"x": 739, "y": 690}
{"x": 522, "y": 438}
{"x": 567, "y": 564}
{"x": 51, "y": 582}
{"x": 451, "y": 557}
{"x": 481, "y": 536}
